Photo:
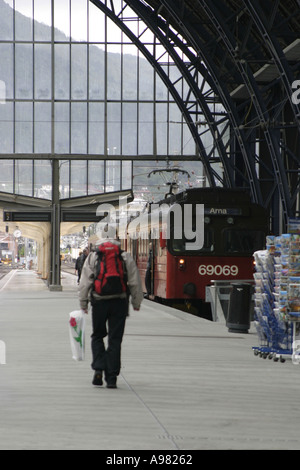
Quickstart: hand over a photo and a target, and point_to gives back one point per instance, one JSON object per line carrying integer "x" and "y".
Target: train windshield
{"x": 179, "y": 245}
{"x": 242, "y": 241}
{"x": 220, "y": 242}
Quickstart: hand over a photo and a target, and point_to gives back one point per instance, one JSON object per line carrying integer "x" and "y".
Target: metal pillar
{"x": 55, "y": 279}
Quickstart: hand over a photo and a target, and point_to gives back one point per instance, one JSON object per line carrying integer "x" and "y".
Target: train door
{"x": 150, "y": 268}
{"x": 153, "y": 264}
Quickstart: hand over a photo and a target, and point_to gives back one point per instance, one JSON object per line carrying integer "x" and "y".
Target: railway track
{"x": 68, "y": 268}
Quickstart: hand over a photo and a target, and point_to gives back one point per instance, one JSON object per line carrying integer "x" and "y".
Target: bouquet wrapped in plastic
{"x": 77, "y": 334}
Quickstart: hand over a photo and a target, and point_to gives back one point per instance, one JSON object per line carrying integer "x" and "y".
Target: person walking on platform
{"x": 108, "y": 278}
{"x": 80, "y": 262}
{"x": 78, "y": 267}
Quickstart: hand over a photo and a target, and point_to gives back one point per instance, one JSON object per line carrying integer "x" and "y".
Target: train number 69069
{"x": 218, "y": 270}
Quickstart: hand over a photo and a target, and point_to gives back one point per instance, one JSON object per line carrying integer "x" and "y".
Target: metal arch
{"x": 158, "y": 26}
{"x": 285, "y": 164}
{"x": 285, "y": 72}
{"x": 184, "y": 16}
{"x": 249, "y": 81}
{"x": 276, "y": 52}
{"x": 189, "y": 32}
{"x": 210, "y": 173}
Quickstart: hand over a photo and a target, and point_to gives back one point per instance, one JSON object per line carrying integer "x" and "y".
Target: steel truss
{"x": 241, "y": 57}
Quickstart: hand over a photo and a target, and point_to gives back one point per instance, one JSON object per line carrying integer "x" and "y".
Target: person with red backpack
{"x": 108, "y": 279}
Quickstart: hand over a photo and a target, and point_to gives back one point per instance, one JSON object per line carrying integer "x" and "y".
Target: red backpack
{"x": 111, "y": 273}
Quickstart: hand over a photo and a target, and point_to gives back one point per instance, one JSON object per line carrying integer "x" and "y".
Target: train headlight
{"x": 181, "y": 264}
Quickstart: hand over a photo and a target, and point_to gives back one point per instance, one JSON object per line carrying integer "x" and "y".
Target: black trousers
{"x": 108, "y": 319}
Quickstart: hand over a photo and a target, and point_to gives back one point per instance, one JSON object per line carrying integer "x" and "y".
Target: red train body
{"x": 233, "y": 229}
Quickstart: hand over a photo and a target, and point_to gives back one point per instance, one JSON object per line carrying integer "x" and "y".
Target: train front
{"x": 214, "y": 241}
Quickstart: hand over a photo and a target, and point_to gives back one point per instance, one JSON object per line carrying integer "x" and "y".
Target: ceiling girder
{"x": 113, "y": 15}
{"x": 250, "y": 51}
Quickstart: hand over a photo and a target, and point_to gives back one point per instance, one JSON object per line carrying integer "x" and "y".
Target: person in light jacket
{"x": 108, "y": 314}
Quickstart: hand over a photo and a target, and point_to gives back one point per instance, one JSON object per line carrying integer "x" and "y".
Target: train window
{"x": 242, "y": 241}
{"x": 178, "y": 245}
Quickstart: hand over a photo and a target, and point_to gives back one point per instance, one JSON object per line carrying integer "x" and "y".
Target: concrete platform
{"x": 186, "y": 383}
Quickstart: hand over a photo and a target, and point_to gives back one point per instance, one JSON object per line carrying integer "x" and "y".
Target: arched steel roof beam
{"x": 168, "y": 39}
{"x": 262, "y": 112}
{"x": 286, "y": 75}
{"x": 190, "y": 33}
{"x": 210, "y": 173}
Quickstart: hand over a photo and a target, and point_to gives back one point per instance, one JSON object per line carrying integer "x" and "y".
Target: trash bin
{"x": 238, "y": 316}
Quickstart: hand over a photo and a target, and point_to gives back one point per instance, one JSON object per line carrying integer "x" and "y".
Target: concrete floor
{"x": 185, "y": 384}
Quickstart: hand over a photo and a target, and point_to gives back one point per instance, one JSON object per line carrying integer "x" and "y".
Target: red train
{"x": 178, "y": 273}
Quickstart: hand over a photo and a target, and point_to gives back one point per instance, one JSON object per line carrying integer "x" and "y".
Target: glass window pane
{"x": 42, "y": 66}
{"x": 23, "y": 177}
{"x": 175, "y": 130}
{"x": 62, "y": 71}
{"x": 6, "y": 128}
{"x": 129, "y": 132}
{"x": 145, "y": 129}
{"x": 96, "y": 24}
{"x": 113, "y": 174}
{"x": 145, "y": 80}
{"x": 242, "y": 241}
{"x": 161, "y": 89}
{"x": 79, "y": 71}
{"x": 24, "y": 128}
{"x": 62, "y": 20}
{"x": 79, "y": 128}
{"x": 96, "y": 73}
{"x": 78, "y": 178}
{"x": 95, "y": 176}
{"x": 96, "y": 128}
{"x": 24, "y": 20}
{"x": 6, "y": 71}
{"x": 42, "y": 16}
{"x": 42, "y": 187}
{"x": 126, "y": 175}
{"x": 7, "y": 28}
{"x": 130, "y": 74}
{"x": 162, "y": 128}
{"x": 24, "y": 71}
{"x": 6, "y": 176}
{"x": 114, "y": 72}
{"x": 62, "y": 128}
{"x": 42, "y": 127}
{"x": 79, "y": 20}
{"x": 113, "y": 128}
{"x": 64, "y": 179}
